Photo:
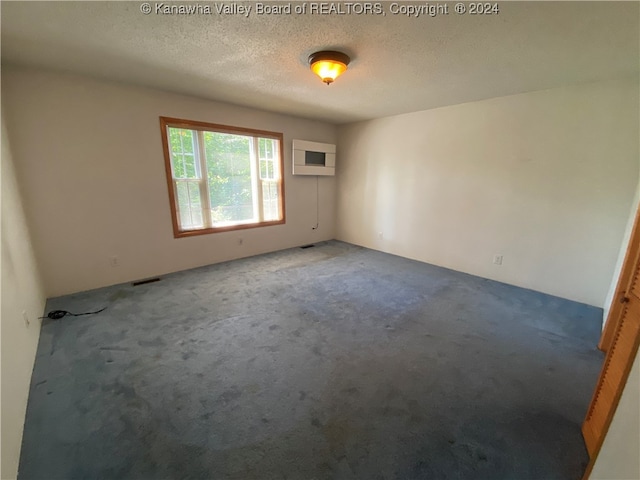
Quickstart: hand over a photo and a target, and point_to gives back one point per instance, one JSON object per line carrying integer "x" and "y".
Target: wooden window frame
{"x": 166, "y": 122}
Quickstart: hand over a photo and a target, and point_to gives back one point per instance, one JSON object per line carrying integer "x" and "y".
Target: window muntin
{"x": 222, "y": 178}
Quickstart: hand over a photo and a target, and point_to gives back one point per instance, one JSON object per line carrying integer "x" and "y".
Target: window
{"x": 222, "y": 178}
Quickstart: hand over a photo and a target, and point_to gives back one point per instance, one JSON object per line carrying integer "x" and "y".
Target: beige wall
{"x": 92, "y": 170}
{"x": 22, "y": 291}
{"x": 544, "y": 178}
{"x": 618, "y": 459}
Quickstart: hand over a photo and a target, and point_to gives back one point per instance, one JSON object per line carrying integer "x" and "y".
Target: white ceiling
{"x": 399, "y": 64}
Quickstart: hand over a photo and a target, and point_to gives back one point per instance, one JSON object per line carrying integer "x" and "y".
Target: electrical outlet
{"x": 497, "y": 259}
{"x": 114, "y": 260}
{"x": 380, "y": 235}
{"x": 25, "y": 317}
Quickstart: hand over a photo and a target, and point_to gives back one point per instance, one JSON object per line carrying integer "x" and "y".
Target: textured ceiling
{"x": 399, "y": 64}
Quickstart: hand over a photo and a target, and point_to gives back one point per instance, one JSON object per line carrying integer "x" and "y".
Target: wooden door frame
{"x": 617, "y": 302}
{"x": 614, "y": 320}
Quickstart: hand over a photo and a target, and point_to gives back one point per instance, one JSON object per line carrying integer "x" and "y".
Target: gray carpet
{"x": 334, "y": 362}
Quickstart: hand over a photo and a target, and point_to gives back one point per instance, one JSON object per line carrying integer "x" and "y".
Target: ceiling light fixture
{"x": 329, "y": 65}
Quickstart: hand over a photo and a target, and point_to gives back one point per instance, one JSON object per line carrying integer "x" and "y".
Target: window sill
{"x": 228, "y": 228}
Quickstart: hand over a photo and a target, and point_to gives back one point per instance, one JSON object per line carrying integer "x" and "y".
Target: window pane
{"x": 187, "y": 140}
{"x": 270, "y": 201}
{"x": 195, "y": 204}
{"x": 183, "y": 160}
{"x": 190, "y": 166}
{"x": 264, "y": 169}
{"x": 189, "y": 205}
{"x": 181, "y": 140}
{"x": 175, "y": 140}
{"x": 177, "y": 165}
{"x": 266, "y": 148}
{"x": 262, "y": 148}
{"x": 267, "y": 170}
{"x": 228, "y": 159}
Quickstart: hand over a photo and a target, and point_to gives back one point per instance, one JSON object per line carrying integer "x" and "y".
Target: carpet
{"x": 332, "y": 362}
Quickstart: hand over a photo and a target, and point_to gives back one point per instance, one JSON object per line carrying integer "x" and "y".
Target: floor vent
{"x": 144, "y": 282}
{"x": 308, "y": 246}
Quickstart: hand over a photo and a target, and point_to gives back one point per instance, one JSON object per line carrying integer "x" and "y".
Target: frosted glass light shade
{"x": 329, "y": 65}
